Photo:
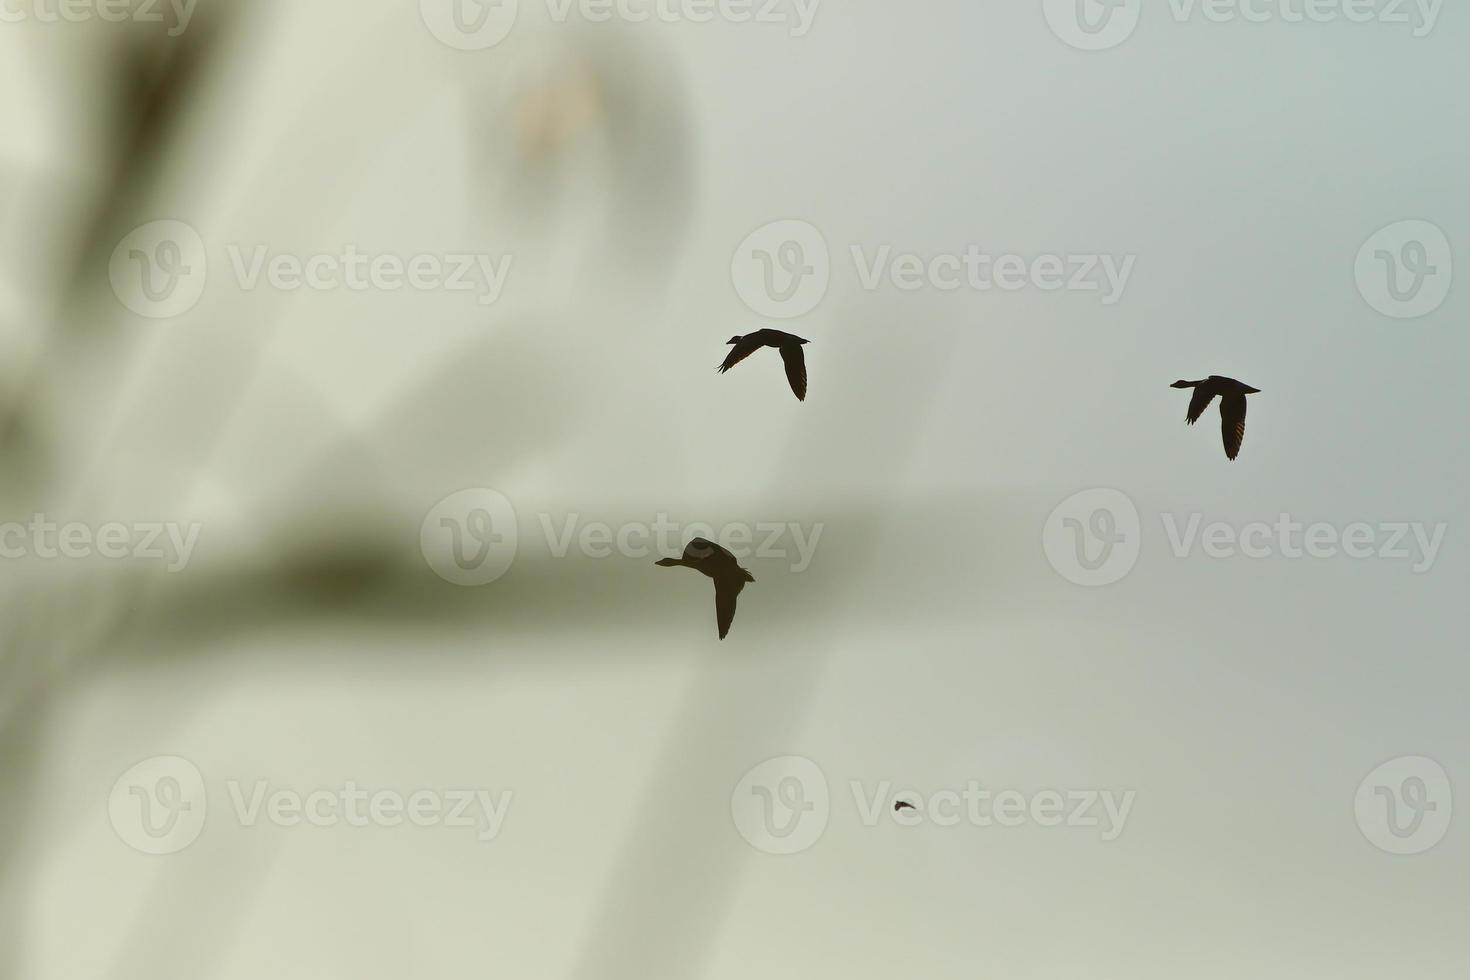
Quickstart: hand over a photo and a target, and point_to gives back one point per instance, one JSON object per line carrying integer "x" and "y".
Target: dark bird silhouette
{"x": 788, "y": 344}
{"x": 710, "y": 559}
{"x": 903, "y": 805}
{"x": 1232, "y": 407}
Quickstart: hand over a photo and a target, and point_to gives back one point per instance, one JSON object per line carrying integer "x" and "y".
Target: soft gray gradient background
{"x": 929, "y": 643}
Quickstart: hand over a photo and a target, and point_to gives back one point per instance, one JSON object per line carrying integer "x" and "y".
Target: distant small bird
{"x": 903, "y": 805}
{"x": 1232, "y": 407}
{"x": 710, "y": 559}
{"x": 788, "y": 344}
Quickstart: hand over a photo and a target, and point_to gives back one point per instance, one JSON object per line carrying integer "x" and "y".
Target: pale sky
{"x": 1234, "y": 169}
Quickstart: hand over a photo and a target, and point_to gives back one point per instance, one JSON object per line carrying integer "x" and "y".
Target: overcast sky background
{"x": 930, "y": 642}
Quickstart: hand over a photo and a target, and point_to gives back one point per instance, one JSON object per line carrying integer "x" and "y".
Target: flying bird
{"x": 711, "y": 560}
{"x": 903, "y": 805}
{"x": 1232, "y": 407}
{"x": 788, "y": 344}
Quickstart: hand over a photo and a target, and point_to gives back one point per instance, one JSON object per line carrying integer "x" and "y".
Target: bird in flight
{"x": 711, "y": 560}
{"x": 903, "y": 805}
{"x": 788, "y": 344}
{"x": 1232, "y": 407}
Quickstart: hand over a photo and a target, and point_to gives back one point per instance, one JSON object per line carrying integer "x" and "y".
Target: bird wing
{"x": 740, "y": 352}
{"x": 795, "y": 370}
{"x": 727, "y": 588}
{"x": 1203, "y": 395}
{"x": 699, "y": 549}
{"x": 1232, "y": 423}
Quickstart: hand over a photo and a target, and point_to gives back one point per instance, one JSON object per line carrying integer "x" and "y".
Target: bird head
{"x": 1252, "y": 391}
{"x": 733, "y": 340}
{"x": 1181, "y": 384}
